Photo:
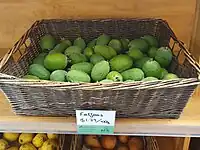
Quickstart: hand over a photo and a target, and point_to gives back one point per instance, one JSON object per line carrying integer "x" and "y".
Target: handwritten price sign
{"x": 95, "y": 121}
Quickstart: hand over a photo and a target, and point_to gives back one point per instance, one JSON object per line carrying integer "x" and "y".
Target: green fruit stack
{"x": 103, "y": 59}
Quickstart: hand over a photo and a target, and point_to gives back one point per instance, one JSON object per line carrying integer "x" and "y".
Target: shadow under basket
{"x": 156, "y": 99}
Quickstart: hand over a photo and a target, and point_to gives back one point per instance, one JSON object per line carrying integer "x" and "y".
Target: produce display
{"x": 29, "y": 141}
{"x": 104, "y": 59}
{"x": 120, "y": 142}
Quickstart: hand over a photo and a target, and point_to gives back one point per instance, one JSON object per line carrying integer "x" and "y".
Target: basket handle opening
{"x": 17, "y": 46}
{"x": 181, "y": 53}
{"x": 181, "y": 44}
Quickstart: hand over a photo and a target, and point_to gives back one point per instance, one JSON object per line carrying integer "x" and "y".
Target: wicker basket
{"x": 67, "y": 142}
{"x": 150, "y": 143}
{"x": 62, "y": 140}
{"x": 158, "y": 99}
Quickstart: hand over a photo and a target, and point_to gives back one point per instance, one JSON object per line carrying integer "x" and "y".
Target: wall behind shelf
{"x": 17, "y": 16}
{"x": 195, "y": 40}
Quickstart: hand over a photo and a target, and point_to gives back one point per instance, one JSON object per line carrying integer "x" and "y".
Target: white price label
{"x": 95, "y": 121}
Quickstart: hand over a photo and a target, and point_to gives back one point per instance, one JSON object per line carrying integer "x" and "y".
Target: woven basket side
{"x": 184, "y": 70}
{"x": 76, "y": 143}
{"x": 152, "y": 143}
{"x": 163, "y": 33}
{"x": 143, "y": 103}
{"x": 61, "y": 142}
{"x": 149, "y": 144}
{"x": 181, "y": 64}
{"x": 90, "y": 29}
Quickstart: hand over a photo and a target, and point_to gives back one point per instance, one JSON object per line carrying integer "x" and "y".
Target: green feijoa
{"x": 103, "y": 39}
{"x": 80, "y": 43}
{"x": 100, "y": 70}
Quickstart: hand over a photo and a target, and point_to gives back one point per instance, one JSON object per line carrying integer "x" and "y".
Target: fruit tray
{"x": 152, "y": 99}
{"x": 79, "y": 143}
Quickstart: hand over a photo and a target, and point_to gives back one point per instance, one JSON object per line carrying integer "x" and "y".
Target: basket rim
{"x": 105, "y": 19}
{"x": 136, "y": 85}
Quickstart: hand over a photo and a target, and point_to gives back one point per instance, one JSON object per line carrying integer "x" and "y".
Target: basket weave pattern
{"x": 150, "y": 143}
{"x": 158, "y": 99}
